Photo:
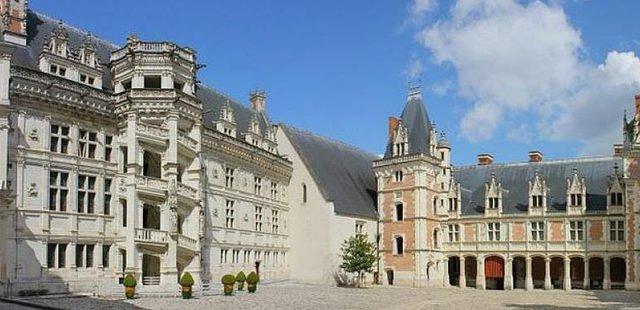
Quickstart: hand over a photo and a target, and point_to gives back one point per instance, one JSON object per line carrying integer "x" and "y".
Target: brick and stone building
{"x": 533, "y": 224}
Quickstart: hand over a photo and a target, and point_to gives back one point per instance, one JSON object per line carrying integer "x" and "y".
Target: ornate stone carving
{"x": 33, "y": 135}
{"x": 215, "y": 212}
{"x": 33, "y": 190}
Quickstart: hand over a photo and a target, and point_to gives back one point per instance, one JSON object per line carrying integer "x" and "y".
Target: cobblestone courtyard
{"x": 298, "y": 296}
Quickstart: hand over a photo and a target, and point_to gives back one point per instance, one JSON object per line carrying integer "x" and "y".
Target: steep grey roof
{"x": 342, "y": 172}
{"x": 39, "y": 28}
{"x": 515, "y": 183}
{"x": 416, "y": 120}
{"x": 213, "y": 101}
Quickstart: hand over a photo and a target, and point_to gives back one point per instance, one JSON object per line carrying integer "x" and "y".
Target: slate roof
{"x": 416, "y": 119}
{"x": 515, "y": 183}
{"x": 40, "y": 26}
{"x": 342, "y": 172}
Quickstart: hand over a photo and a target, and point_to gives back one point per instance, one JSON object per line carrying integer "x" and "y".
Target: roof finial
{"x": 415, "y": 89}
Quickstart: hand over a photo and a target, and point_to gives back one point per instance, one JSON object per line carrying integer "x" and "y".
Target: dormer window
{"x": 493, "y": 203}
{"x": 400, "y": 144}
{"x": 453, "y": 204}
{"x": 537, "y": 191}
{"x": 576, "y": 199}
{"x": 493, "y": 196}
{"x": 616, "y": 199}
{"x": 615, "y": 190}
{"x": 536, "y": 201}
{"x": 152, "y": 81}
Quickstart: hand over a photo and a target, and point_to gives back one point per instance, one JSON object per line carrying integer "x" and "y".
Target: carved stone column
{"x": 547, "y": 273}
{"x": 586, "y": 282}
{"x": 480, "y": 283}
{"x": 463, "y": 277}
{"x": 606, "y": 283}
{"x": 528, "y": 280}
{"x": 567, "y": 274}
{"x": 508, "y": 274}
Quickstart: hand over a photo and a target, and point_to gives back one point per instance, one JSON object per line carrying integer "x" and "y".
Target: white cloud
{"x": 420, "y": 8}
{"x": 525, "y": 60}
{"x": 441, "y": 88}
{"x": 414, "y": 69}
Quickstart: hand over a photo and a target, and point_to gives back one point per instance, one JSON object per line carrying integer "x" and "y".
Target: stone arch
{"x": 390, "y": 275}
{"x": 538, "y": 270}
{"x": 494, "y": 270}
{"x": 519, "y": 271}
{"x": 557, "y": 271}
{"x": 596, "y": 272}
{"x": 576, "y": 271}
{"x": 618, "y": 272}
{"x": 471, "y": 270}
{"x": 454, "y": 266}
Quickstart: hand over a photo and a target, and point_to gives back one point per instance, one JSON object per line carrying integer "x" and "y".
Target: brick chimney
{"x": 485, "y": 159}
{"x": 13, "y": 23}
{"x": 535, "y": 156}
{"x": 393, "y": 126}
{"x": 258, "y": 100}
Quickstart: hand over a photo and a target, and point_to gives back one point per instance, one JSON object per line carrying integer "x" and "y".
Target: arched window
{"x": 304, "y": 193}
{"x": 399, "y": 246}
{"x": 399, "y": 212}
{"x": 435, "y": 239}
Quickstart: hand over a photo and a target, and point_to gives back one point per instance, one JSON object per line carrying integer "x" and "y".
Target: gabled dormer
{"x": 432, "y": 140}
{"x": 87, "y": 53}
{"x": 400, "y": 144}
{"x": 226, "y": 121}
{"x": 454, "y": 201}
{"x": 615, "y": 193}
{"x": 576, "y": 193}
{"x": 493, "y": 197}
{"x": 253, "y": 136}
{"x": 58, "y": 42}
{"x": 269, "y": 142}
{"x": 537, "y": 195}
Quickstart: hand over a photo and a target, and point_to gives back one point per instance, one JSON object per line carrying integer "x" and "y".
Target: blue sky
{"x": 499, "y": 76}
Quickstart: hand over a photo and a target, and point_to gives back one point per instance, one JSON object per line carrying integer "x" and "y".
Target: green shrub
{"x": 228, "y": 279}
{"x": 129, "y": 281}
{"x": 240, "y": 277}
{"x": 186, "y": 280}
{"x": 253, "y": 278}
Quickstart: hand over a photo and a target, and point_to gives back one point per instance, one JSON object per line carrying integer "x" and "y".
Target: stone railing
{"x": 151, "y": 235}
{"x": 152, "y": 130}
{"x": 187, "y": 191}
{"x": 152, "y": 183}
{"x": 153, "y": 47}
{"x": 188, "y": 243}
{"x": 150, "y": 280}
{"x": 187, "y": 141}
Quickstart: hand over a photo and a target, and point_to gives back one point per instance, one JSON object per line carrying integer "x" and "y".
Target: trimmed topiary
{"x": 129, "y": 283}
{"x": 228, "y": 281}
{"x": 187, "y": 282}
{"x": 240, "y": 278}
{"x": 252, "y": 282}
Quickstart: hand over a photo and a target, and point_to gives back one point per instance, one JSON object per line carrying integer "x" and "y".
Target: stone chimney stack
{"x": 13, "y": 21}
{"x": 535, "y": 156}
{"x": 258, "y": 100}
{"x": 485, "y": 159}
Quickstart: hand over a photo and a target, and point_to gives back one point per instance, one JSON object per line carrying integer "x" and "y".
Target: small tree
{"x": 358, "y": 255}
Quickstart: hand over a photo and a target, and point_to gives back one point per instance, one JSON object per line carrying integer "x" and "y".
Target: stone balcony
{"x": 187, "y": 243}
{"x": 188, "y": 192}
{"x": 151, "y": 237}
{"x": 152, "y": 186}
{"x": 152, "y": 133}
{"x": 187, "y": 144}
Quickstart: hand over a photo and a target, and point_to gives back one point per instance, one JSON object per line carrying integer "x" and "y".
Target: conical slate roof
{"x": 416, "y": 119}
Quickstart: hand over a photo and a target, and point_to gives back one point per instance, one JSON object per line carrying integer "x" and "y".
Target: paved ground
{"x": 298, "y": 296}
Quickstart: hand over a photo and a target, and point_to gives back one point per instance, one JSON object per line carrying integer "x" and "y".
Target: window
{"x": 616, "y": 230}
{"x": 87, "y": 144}
{"x": 257, "y": 186}
{"x": 258, "y": 217}
{"x": 86, "y": 194}
{"x": 229, "y": 214}
{"x": 229, "y": 177}
{"x": 53, "y": 69}
{"x": 123, "y": 203}
{"x": 58, "y": 190}
{"x": 108, "y": 147}
{"x": 84, "y": 255}
{"x": 83, "y": 78}
{"x": 359, "y": 228}
{"x": 223, "y": 256}
{"x": 59, "y": 140}
{"x": 454, "y": 232}
{"x": 493, "y": 203}
{"x": 576, "y": 230}
{"x": 61, "y": 71}
{"x": 274, "y": 221}
{"x": 274, "y": 190}
{"x": 152, "y": 81}
{"x": 453, "y": 204}
{"x": 398, "y": 176}
{"x": 304, "y": 193}
{"x": 105, "y": 255}
{"x": 537, "y": 231}
{"x": 235, "y": 256}
{"x": 536, "y": 200}
{"x": 616, "y": 199}
{"x": 399, "y": 246}
{"x": 493, "y": 230}
{"x": 107, "y": 197}
{"x": 399, "y": 212}
{"x": 246, "y": 256}
{"x": 56, "y": 255}
{"x": 576, "y": 199}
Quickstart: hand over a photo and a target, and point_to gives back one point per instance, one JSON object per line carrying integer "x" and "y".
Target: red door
{"x": 494, "y": 267}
